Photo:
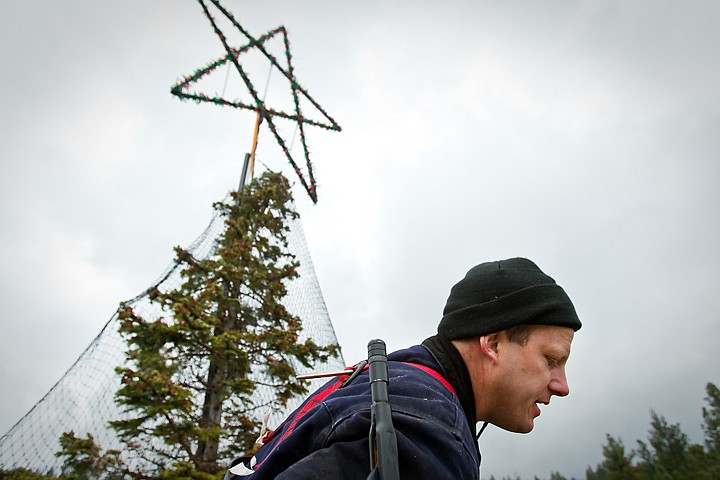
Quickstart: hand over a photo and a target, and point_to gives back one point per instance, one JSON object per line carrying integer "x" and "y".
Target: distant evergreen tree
{"x": 617, "y": 465}
{"x": 187, "y": 387}
{"x": 599, "y": 473}
{"x": 711, "y": 427}
{"x": 556, "y": 476}
{"x": 668, "y": 453}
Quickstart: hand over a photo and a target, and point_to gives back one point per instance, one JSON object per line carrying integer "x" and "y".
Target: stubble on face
{"x": 527, "y": 376}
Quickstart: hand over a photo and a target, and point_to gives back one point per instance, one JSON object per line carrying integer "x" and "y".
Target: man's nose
{"x": 559, "y": 385}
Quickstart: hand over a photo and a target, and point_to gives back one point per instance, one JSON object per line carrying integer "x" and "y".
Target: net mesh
{"x": 82, "y": 401}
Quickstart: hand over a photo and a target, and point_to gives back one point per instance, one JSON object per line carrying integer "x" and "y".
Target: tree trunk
{"x": 218, "y": 373}
{"x": 207, "y": 450}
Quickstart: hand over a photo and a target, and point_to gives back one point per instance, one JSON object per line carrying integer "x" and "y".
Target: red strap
{"x": 435, "y": 375}
{"x": 315, "y": 400}
{"x": 311, "y": 403}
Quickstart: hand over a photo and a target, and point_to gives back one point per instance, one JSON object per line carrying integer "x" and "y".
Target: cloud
{"x": 582, "y": 136}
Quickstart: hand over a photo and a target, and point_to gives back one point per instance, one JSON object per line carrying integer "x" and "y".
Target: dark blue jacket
{"x": 327, "y": 436}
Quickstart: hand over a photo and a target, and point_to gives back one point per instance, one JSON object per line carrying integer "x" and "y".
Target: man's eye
{"x": 552, "y": 363}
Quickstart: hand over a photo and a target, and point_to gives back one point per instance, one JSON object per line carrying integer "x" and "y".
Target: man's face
{"x": 529, "y": 375}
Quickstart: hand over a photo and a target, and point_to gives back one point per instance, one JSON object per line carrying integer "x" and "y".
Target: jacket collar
{"x": 455, "y": 372}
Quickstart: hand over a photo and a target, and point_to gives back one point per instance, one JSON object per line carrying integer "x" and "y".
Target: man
{"x": 500, "y": 351}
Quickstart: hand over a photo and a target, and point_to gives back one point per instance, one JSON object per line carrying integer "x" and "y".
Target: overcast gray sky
{"x": 583, "y": 135}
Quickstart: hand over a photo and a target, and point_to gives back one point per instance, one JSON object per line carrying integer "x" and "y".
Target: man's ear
{"x": 489, "y": 346}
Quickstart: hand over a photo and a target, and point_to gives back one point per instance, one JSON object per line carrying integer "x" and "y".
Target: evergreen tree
{"x": 188, "y": 384}
{"x": 23, "y": 474}
{"x": 598, "y": 473}
{"x": 84, "y": 459}
{"x": 617, "y": 465}
{"x": 711, "y": 427}
{"x": 666, "y": 455}
{"x": 556, "y": 476}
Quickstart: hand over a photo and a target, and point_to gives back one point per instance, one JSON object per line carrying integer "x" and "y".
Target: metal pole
{"x": 243, "y": 175}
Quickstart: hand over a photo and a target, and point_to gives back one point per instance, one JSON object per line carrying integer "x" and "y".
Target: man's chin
{"x": 524, "y": 428}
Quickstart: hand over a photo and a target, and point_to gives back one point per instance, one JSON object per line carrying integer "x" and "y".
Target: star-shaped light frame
{"x": 182, "y": 90}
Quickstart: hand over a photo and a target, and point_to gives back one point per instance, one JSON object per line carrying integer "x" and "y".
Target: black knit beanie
{"x": 495, "y": 296}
